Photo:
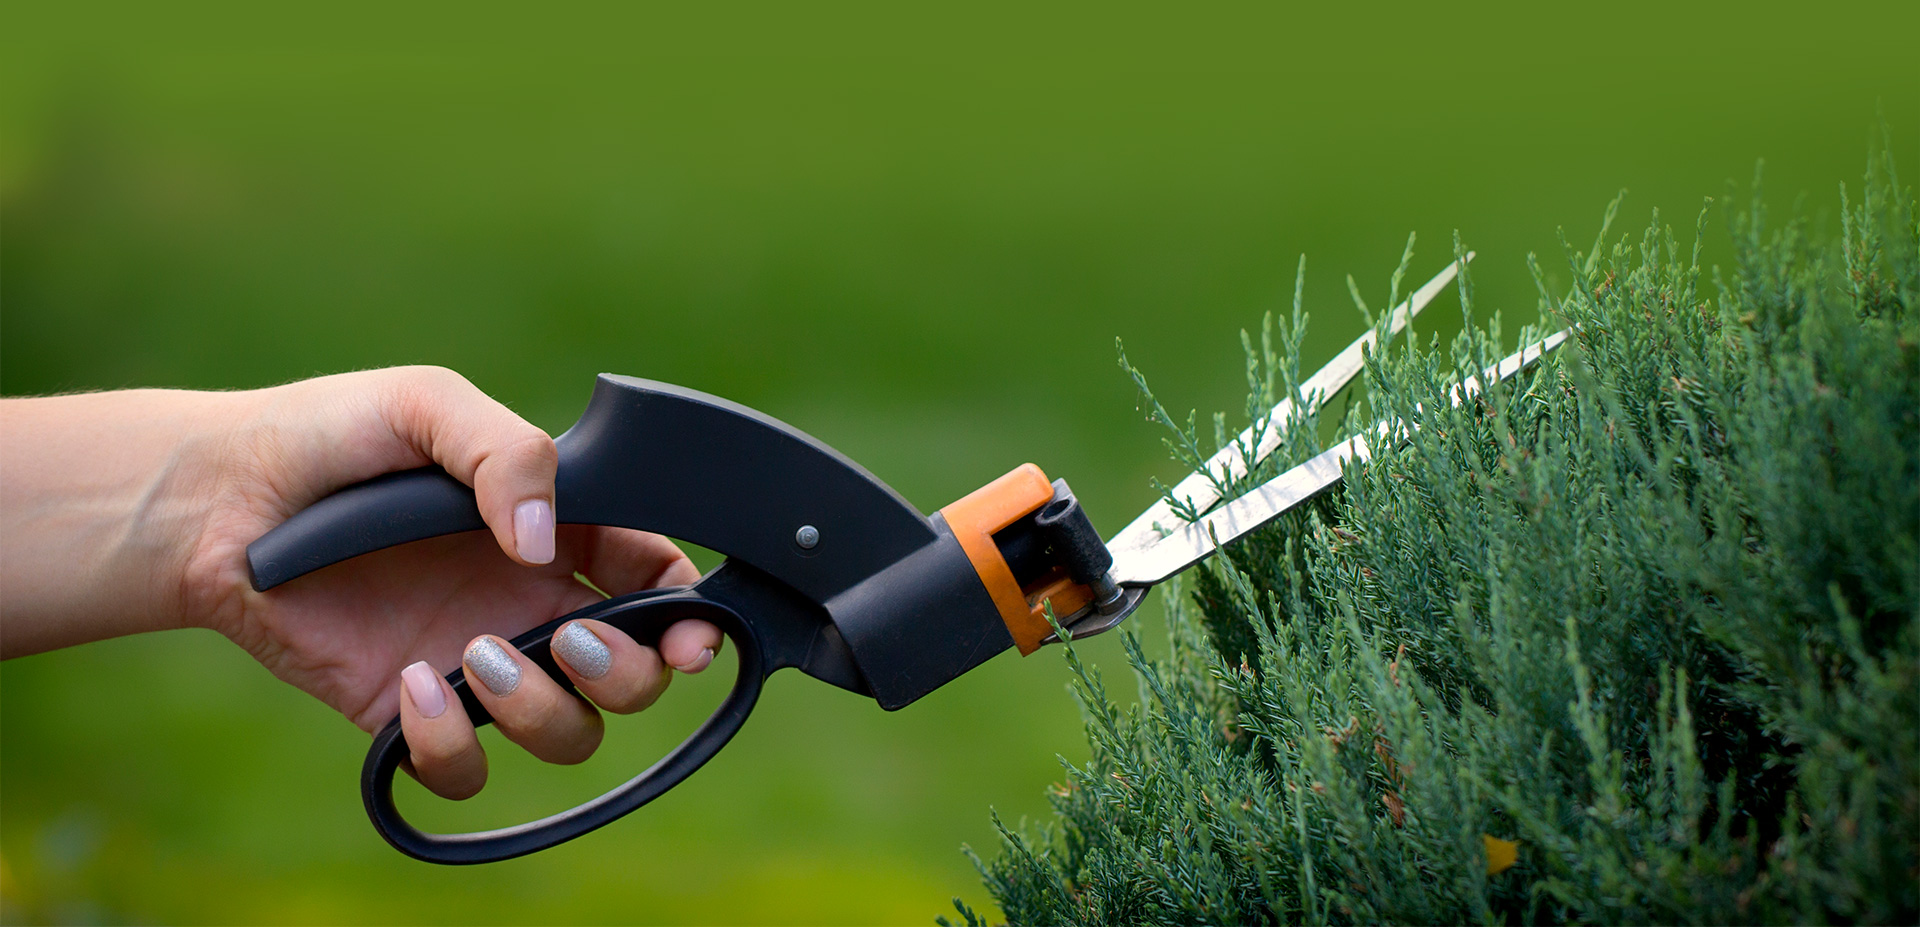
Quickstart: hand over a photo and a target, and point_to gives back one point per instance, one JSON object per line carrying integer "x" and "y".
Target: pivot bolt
{"x": 807, "y": 537}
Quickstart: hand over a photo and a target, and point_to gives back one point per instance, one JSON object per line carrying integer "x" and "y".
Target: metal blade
{"x": 1230, "y": 463}
{"x": 1191, "y": 542}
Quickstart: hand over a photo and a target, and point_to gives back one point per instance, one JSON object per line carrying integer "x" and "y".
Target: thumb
{"x": 509, "y": 463}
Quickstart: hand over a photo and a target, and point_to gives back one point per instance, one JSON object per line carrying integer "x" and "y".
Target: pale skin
{"x": 127, "y": 512}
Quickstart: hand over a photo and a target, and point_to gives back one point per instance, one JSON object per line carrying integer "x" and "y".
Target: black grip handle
{"x": 397, "y": 508}
{"x": 658, "y": 458}
{"x": 644, "y": 616}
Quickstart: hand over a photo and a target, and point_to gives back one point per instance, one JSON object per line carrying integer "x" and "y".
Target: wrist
{"x": 209, "y": 516}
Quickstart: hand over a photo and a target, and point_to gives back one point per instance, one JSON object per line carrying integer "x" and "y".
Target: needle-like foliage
{"x": 1634, "y": 637}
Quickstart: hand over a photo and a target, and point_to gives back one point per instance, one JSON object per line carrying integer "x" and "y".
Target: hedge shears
{"x": 827, "y": 570}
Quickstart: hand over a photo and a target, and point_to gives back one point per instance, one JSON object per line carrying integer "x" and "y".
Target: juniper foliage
{"x": 1648, "y": 617}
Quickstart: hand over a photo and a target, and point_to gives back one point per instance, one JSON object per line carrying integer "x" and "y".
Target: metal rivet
{"x": 806, "y": 537}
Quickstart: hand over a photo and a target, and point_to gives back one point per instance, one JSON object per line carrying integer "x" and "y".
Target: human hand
{"x": 208, "y": 473}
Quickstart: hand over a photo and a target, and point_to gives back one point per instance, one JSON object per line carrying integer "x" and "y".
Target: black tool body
{"x": 828, "y": 571}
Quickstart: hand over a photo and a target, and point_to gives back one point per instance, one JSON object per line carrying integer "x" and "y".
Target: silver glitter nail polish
{"x": 583, "y": 650}
{"x": 494, "y": 666}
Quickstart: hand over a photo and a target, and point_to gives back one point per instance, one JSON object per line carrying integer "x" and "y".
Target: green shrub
{"x": 1646, "y": 620}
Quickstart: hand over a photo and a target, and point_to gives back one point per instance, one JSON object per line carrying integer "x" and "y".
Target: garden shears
{"x": 828, "y": 570}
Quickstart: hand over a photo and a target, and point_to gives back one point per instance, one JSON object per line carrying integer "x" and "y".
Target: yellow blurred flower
{"x": 1501, "y": 854}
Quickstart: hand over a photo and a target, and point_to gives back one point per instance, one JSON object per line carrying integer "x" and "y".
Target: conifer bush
{"x": 1634, "y": 637}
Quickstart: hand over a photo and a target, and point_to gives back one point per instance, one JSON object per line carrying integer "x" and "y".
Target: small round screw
{"x": 807, "y": 537}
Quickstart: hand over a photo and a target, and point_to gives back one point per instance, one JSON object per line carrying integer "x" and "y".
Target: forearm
{"x": 103, "y": 498}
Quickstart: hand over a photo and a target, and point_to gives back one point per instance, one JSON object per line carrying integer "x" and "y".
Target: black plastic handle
{"x": 651, "y": 456}
{"x": 780, "y": 633}
{"x": 382, "y": 512}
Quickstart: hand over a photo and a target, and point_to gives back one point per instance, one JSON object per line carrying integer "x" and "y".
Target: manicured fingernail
{"x": 494, "y": 666}
{"x": 698, "y": 663}
{"x": 533, "y": 530}
{"x": 423, "y": 686}
{"x": 583, "y": 650}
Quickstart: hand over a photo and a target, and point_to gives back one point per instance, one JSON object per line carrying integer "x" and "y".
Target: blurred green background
{"x": 913, "y": 233}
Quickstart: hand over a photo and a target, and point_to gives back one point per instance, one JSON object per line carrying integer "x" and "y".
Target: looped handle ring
{"x": 644, "y": 616}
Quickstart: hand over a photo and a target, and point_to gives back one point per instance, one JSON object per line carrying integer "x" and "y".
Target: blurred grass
{"x": 913, "y": 234}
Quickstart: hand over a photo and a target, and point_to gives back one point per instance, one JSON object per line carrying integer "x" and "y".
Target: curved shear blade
{"x": 1202, "y": 488}
{"x": 1190, "y": 542}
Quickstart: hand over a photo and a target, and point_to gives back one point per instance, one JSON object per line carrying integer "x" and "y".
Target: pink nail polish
{"x": 533, "y": 530}
{"x": 423, "y": 686}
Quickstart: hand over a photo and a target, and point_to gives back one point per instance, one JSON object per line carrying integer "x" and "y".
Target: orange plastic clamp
{"x": 974, "y": 521}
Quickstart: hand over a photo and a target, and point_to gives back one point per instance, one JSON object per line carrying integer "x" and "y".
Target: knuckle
{"x": 534, "y": 717}
{"x": 627, "y": 700}
{"x": 426, "y": 385}
{"x": 433, "y": 376}
{"x": 451, "y": 768}
{"x": 439, "y": 748}
{"x": 573, "y": 739}
{"x": 461, "y": 753}
{"x": 527, "y": 456}
{"x": 532, "y": 451}
{"x": 418, "y": 396}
